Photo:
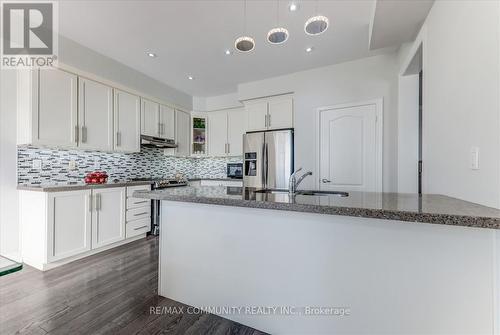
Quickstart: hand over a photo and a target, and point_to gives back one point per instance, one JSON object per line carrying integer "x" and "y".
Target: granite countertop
{"x": 430, "y": 208}
{"x": 69, "y": 186}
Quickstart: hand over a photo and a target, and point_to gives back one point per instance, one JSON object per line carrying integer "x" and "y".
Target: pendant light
{"x": 244, "y": 43}
{"x": 316, "y": 24}
{"x": 277, "y": 35}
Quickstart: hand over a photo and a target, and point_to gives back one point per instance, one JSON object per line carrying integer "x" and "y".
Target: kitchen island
{"x": 368, "y": 263}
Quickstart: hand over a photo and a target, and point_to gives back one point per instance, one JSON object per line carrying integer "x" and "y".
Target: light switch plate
{"x": 37, "y": 164}
{"x": 474, "y": 158}
{"x": 97, "y": 164}
{"x": 72, "y": 165}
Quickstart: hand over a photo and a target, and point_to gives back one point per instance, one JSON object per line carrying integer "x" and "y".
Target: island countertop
{"x": 429, "y": 208}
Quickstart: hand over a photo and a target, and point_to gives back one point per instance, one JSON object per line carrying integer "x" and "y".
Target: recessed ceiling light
{"x": 293, "y": 7}
{"x": 151, "y": 54}
{"x": 227, "y": 52}
{"x": 190, "y": 77}
{"x": 309, "y": 49}
{"x": 316, "y": 25}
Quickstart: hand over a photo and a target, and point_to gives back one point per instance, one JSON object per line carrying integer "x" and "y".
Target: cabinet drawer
{"x": 137, "y": 227}
{"x": 137, "y": 202}
{"x": 132, "y": 189}
{"x": 138, "y": 213}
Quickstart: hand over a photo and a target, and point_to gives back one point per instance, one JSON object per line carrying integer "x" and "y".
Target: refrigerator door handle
{"x": 266, "y": 168}
{"x": 263, "y": 166}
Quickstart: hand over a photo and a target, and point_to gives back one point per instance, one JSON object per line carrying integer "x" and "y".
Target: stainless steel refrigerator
{"x": 268, "y": 159}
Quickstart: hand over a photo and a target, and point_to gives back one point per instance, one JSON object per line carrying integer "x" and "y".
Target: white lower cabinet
{"x": 108, "y": 216}
{"x": 60, "y": 227}
{"x": 138, "y": 215}
{"x": 69, "y": 220}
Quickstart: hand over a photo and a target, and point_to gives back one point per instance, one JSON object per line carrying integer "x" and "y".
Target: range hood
{"x": 157, "y": 142}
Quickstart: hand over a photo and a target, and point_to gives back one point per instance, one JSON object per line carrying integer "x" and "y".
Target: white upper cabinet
{"x": 47, "y": 109}
{"x": 167, "y": 122}
{"x": 225, "y": 132}
{"x": 270, "y": 113}
{"x": 150, "y": 118}
{"x": 280, "y": 113}
{"x": 217, "y": 133}
{"x": 95, "y": 115}
{"x": 236, "y": 127}
{"x": 256, "y": 115}
{"x": 127, "y": 114}
{"x": 182, "y": 133}
{"x": 108, "y": 216}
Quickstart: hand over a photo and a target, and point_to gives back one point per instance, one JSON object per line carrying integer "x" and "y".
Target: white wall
{"x": 461, "y": 106}
{"x": 353, "y": 81}
{"x": 85, "y": 59}
{"x": 9, "y": 227}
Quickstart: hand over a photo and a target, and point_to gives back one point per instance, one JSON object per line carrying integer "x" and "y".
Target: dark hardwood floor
{"x": 108, "y": 293}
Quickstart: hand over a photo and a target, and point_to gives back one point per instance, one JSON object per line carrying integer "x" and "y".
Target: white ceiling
{"x": 190, "y": 38}
{"x": 396, "y": 22}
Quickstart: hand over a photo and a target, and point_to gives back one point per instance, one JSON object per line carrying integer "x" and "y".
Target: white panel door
{"x": 55, "y": 117}
{"x": 69, "y": 224}
{"x": 280, "y": 113}
{"x": 150, "y": 118}
{"x": 350, "y": 153}
{"x": 167, "y": 122}
{"x": 182, "y": 133}
{"x": 95, "y": 115}
{"x": 217, "y": 133}
{"x": 127, "y": 122}
{"x": 256, "y": 115}
{"x": 236, "y": 127}
{"x": 108, "y": 218}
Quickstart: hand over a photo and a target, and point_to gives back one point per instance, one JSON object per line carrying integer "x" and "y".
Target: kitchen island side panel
{"x": 392, "y": 277}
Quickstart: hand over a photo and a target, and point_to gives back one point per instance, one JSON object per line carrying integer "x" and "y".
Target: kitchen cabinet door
{"x": 55, "y": 108}
{"x": 236, "y": 127}
{"x": 280, "y": 113}
{"x": 127, "y": 122}
{"x": 95, "y": 115}
{"x": 182, "y": 133}
{"x": 108, "y": 216}
{"x": 150, "y": 118}
{"x": 217, "y": 133}
{"x": 256, "y": 115}
{"x": 167, "y": 122}
{"x": 69, "y": 224}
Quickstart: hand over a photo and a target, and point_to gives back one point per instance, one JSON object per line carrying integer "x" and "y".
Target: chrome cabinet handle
{"x": 76, "y": 134}
{"x": 140, "y": 227}
{"x": 324, "y": 180}
{"x": 84, "y": 134}
{"x": 228, "y": 148}
{"x": 96, "y": 202}
{"x": 269, "y": 120}
{"x": 118, "y": 139}
{"x": 90, "y": 202}
{"x": 159, "y": 128}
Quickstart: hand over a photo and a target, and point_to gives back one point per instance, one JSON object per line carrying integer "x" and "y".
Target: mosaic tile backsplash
{"x": 150, "y": 162}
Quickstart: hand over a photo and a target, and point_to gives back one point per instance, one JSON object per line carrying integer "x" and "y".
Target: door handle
{"x": 324, "y": 180}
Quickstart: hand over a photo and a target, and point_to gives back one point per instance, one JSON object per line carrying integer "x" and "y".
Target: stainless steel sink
{"x": 323, "y": 193}
{"x": 272, "y": 191}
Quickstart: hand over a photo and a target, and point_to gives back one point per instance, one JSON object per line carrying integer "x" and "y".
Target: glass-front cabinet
{"x": 199, "y": 135}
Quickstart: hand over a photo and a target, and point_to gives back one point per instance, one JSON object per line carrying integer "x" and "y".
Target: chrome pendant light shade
{"x": 316, "y": 25}
{"x": 277, "y": 35}
{"x": 244, "y": 44}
